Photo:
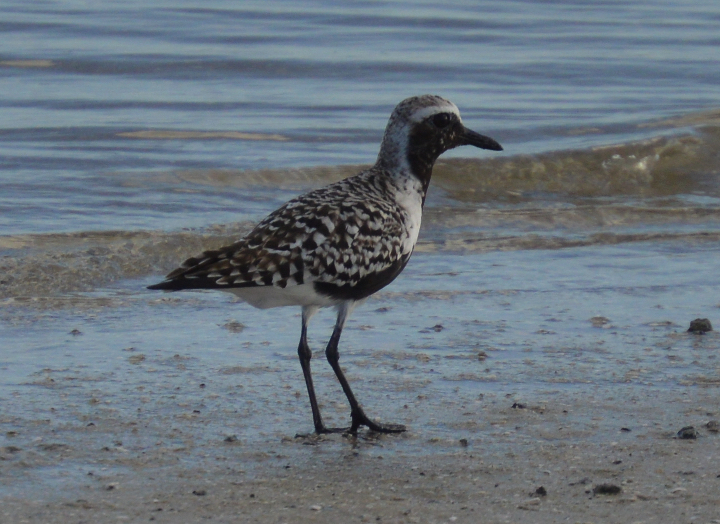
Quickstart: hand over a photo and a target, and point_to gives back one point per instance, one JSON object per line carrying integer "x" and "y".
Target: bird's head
{"x": 420, "y": 129}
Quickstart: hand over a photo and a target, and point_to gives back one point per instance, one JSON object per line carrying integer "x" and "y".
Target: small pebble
{"x": 700, "y": 326}
{"x": 582, "y": 482}
{"x": 687, "y": 433}
{"x": 541, "y": 492}
{"x": 316, "y": 507}
{"x": 713, "y": 426}
{"x": 529, "y": 504}
{"x": 234, "y": 326}
{"x": 607, "y": 489}
{"x": 199, "y": 492}
{"x": 599, "y": 322}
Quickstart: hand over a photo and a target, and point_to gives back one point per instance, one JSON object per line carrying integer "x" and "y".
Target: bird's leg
{"x": 359, "y": 418}
{"x": 305, "y": 355}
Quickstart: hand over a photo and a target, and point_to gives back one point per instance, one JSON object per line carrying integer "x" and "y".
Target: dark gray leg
{"x": 359, "y": 418}
{"x": 305, "y": 355}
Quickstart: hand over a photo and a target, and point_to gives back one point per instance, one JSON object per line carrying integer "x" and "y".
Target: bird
{"x": 337, "y": 245}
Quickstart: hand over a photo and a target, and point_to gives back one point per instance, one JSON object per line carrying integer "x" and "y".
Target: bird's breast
{"x": 409, "y": 198}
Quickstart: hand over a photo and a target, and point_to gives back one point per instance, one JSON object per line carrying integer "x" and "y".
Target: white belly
{"x": 265, "y": 297}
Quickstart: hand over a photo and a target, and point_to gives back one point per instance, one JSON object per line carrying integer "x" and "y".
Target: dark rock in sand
{"x": 688, "y": 432}
{"x": 713, "y": 426}
{"x": 700, "y": 326}
{"x": 607, "y": 489}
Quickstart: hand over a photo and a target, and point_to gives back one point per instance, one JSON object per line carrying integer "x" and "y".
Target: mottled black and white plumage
{"x": 339, "y": 244}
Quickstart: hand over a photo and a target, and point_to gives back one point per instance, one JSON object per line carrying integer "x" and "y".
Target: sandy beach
{"x": 577, "y": 459}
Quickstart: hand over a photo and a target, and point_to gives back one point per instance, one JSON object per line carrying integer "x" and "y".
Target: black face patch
{"x": 428, "y": 140}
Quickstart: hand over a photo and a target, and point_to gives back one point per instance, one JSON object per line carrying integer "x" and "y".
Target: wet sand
{"x": 538, "y": 463}
{"x": 122, "y": 405}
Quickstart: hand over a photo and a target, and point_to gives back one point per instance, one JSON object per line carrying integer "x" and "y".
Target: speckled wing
{"x": 339, "y": 238}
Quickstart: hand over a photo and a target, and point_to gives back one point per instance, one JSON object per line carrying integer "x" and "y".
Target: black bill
{"x": 471, "y": 138}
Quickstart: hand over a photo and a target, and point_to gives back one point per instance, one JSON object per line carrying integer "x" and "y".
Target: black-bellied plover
{"x": 337, "y": 245}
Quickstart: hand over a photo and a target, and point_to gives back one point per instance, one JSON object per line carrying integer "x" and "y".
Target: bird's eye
{"x": 442, "y": 119}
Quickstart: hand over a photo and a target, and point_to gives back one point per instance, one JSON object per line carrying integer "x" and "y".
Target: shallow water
{"x": 105, "y": 110}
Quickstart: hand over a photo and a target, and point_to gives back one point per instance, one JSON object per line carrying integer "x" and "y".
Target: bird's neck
{"x": 401, "y": 161}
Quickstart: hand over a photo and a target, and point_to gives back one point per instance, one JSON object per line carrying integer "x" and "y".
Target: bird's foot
{"x": 359, "y": 418}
